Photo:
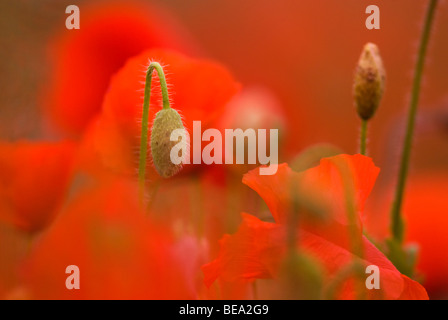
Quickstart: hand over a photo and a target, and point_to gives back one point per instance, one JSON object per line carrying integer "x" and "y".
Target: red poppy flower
{"x": 85, "y": 59}
{"x": 119, "y": 252}
{"x": 34, "y": 177}
{"x": 200, "y": 90}
{"x": 258, "y": 247}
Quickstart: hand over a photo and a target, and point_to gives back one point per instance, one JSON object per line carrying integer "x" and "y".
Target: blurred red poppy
{"x": 119, "y": 252}
{"x": 257, "y": 249}
{"x": 254, "y": 107}
{"x": 85, "y": 59}
{"x": 34, "y": 177}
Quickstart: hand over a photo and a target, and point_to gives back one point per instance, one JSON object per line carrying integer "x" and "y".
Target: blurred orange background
{"x": 304, "y": 53}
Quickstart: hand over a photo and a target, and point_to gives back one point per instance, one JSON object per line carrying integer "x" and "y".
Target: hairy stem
{"x": 145, "y": 116}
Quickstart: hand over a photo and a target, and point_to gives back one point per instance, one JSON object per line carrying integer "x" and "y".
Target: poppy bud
{"x": 369, "y": 82}
{"x": 166, "y": 121}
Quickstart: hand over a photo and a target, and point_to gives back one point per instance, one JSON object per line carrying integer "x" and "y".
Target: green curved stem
{"x": 145, "y": 116}
{"x": 397, "y": 226}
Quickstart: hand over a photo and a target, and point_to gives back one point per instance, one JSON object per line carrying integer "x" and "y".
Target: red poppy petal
{"x": 85, "y": 59}
{"x": 256, "y": 250}
{"x": 324, "y": 185}
{"x": 241, "y": 255}
{"x": 413, "y": 290}
{"x": 119, "y": 252}
{"x": 272, "y": 189}
{"x": 33, "y": 180}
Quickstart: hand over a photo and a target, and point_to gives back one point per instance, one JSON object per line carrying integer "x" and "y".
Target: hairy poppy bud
{"x": 369, "y": 81}
{"x": 166, "y": 121}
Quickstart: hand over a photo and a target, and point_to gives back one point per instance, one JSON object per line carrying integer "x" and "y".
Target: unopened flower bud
{"x": 369, "y": 81}
{"x": 166, "y": 121}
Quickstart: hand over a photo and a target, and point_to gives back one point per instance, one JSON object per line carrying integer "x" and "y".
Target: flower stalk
{"x": 397, "y": 225}
{"x": 145, "y": 118}
{"x": 363, "y": 138}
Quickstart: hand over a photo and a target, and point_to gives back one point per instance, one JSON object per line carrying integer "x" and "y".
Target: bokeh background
{"x": 303, "y": 53}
